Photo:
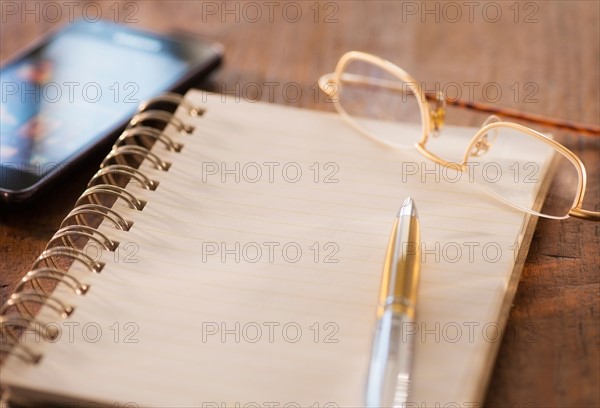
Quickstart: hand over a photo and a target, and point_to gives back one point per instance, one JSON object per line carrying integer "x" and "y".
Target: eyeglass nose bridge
{"x": 482, "y": 146}
{"x": 484, "y": 143}
{"x": 437, "y": 115}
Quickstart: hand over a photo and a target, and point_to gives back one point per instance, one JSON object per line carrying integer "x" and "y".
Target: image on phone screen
{"x": 66, "y": 95}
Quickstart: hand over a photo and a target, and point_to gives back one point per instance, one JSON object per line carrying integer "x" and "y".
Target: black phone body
{"x": 77, "y": 88}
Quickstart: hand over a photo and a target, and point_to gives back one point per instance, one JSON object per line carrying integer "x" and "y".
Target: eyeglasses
{"x": 510, "y": 161}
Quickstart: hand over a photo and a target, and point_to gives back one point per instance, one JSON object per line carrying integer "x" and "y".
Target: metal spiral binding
{"x": 119, "y": 153}
{"x": 77, "y": 230}
{"x": 53, "y": 274}
{"x": 19, "y": 300}
{"x": 107, "y": 173}
{"x": 174, "y": 100}
{"x": 161, "y": 116}
{"x": 66, "y": 234}
{"x": 10, "y": 343}
{"x": 151, "y": 133}
{"x": 77, "y": 215}
{"x": 48, "y": 255}
{"x": 92, "y": 193}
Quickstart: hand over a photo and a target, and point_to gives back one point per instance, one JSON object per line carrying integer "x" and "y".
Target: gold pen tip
{"x": 408, "y": 208}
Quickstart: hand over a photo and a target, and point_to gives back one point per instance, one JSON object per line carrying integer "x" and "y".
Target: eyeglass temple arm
{"x": 478, "y": 106}
{"x": 585, "y": 214}
{"x": 529, "y": 117}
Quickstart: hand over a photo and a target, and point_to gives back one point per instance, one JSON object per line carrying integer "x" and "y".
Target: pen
{"x": 391, "y": 359}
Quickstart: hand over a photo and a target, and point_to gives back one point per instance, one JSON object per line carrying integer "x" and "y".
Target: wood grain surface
{"x": 542, "y": 57}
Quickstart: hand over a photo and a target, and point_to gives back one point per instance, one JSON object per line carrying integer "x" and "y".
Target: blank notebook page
{"x": 252, "y": 275}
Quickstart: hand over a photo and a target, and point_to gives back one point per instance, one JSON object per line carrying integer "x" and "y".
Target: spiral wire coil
{"x": 129, "y": 151}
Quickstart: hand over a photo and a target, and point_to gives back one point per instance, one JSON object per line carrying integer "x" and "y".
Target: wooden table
{"x": 543, "y": 57}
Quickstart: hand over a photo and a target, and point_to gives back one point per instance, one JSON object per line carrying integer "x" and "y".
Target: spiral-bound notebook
{"x": 241, "y": 264}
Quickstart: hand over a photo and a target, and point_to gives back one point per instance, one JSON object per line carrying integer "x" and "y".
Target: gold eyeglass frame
{"x": 432, "y": 121}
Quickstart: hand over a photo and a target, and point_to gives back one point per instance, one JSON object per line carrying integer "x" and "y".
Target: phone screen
{"x": 78, "y": 87}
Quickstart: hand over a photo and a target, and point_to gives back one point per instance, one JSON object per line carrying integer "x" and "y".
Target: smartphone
{"x": 75, "y": 91}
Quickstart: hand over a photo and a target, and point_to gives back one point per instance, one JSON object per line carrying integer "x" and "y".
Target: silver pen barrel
{"x": 389, "y": 379}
